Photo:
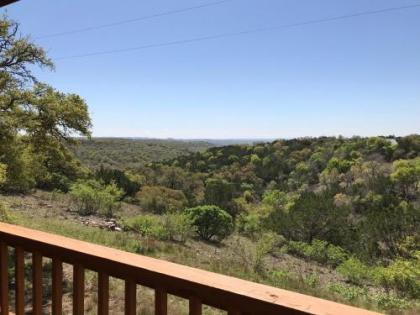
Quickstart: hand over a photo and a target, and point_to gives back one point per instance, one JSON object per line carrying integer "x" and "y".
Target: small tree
{"x": 92, "y": 197}
{"x": 179, "y": 226}
{"x": 212, "y": 222}
{"x": 406, "y": 176}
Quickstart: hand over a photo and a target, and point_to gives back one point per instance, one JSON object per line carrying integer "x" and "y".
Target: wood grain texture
{"x": 195, "y": 306}
{"x": 212, "y": 289}
{"x": 36, "y": 283}
{"x": 78, "y": 289}
{"x": 4, "y": 278}
{"x": 20, "y": 280}
{"x": 130, "y": 297}
{"x": 161, "y": 302}
{"x": 57, "y": 287}
{"x": 103, "y": 294}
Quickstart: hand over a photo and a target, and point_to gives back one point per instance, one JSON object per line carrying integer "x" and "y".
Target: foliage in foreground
{"x": 213, "y": 223}
{"x": 37, "y": 122}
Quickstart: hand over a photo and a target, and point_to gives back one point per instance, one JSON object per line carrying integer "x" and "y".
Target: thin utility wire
{"x": 133, "y": 20}
{"x": 245, "y": 32}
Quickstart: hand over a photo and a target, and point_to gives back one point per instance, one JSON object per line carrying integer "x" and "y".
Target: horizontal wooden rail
{"x": 199, "y": 287}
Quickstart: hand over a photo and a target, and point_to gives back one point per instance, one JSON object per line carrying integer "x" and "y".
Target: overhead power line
{"x": 245, "y": 32}
{"x": 133, "y": 20}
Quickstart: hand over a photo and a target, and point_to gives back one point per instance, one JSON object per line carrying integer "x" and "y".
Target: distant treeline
{"x": 123, "y": 153}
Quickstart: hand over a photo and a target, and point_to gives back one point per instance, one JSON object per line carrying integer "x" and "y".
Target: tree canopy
{"x": 37, "y": 122}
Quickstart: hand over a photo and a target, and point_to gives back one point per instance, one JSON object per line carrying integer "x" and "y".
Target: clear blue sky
{"x": 359, "y": 76}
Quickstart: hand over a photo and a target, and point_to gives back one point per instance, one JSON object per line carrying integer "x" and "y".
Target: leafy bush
{"x": 391, "y": 302}
{"x": 147, "y": 226}
{"x": 335, "y": 255}
{"x": 312, "y": 280}
{"x": 320, "y": 251}
{"x": 178, "y": 226}
{"x": 249, "y": 224}
{"x": 91, "y": 197}
{"x": 212, "y": 222}
{"x": 348, "y": 292}
{"x": 3, "y": 173}
{"x": 5, "y": 215}
{"x": 159, "y": 199}
{"x": 251, "y": 254}
{"x": 175, "y": 227}
{"x": 402, "y": 276}
{"x": 354, "y": 271}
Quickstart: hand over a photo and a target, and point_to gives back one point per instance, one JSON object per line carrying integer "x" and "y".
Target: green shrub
{"x": 336, "y": 255}
{"x": 402, "y": 276}
{"x": 213, "y": 223}
{"x": 297, "y": 248}
{"x": 147, "y": 226}
{"x": 5, "y": 216}
{"x": 391, "y": 302}
{"x": 159, "y": 199}
{"x": 251, "y": 254}
{"x": 354, "y": 271}
{"x": 178, "y": 226}
{"x": 312, "y": 280}
{"x": 249, "y": 224}
{"x": 3, "y": 173}
{"x": 319, "y": 251}
{"x": 91, "y": 197}
{"x": 264, "y": 246}
{"x": 348, "y": 292}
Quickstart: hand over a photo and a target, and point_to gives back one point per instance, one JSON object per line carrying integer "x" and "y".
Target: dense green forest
{"x": 350, "y": 205}
{"x": 123, "y": 153}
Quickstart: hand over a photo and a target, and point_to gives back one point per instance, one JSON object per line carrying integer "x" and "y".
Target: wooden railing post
{"x": 130, "y": 297}
{"x": 36, "y": 283}
{"x": 103, "y": 294}
{"x": 57, "y": 286}
{"x": 78, "y": 289}
{"x": 20, "y": 280}
{"x": 195, "y": 305}
{"x": 161, "y": 302}
{"x": 4, "y": 278}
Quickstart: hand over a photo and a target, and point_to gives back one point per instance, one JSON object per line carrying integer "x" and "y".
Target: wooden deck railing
{"x": 199, "y": 287}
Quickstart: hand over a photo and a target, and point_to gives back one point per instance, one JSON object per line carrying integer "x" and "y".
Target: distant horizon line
{"x": 243, "y": 138}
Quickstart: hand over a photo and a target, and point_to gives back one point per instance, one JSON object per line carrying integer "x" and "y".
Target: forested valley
{"x": 333, "y": 217}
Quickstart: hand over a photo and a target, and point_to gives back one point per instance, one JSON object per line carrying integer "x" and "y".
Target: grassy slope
{"x": 49, "y": 212}
{"x": 131, "y": 153}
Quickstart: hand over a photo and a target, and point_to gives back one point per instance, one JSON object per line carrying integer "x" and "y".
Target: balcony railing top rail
{"x": 198, "y": 286}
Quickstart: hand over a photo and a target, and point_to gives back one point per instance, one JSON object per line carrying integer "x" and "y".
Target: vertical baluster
{"x": 78, "y": 289}
{"x": 161, "y": 302}
{"x": 103, "y": 294}
{"x": 20, "y": 280}
{"x": 4, "y": 278}
{"x": 57, "y": 287}
{"x": 130, "y": 297}
{"x": 195, "y": 306}
{"x": 37, "y": 283}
